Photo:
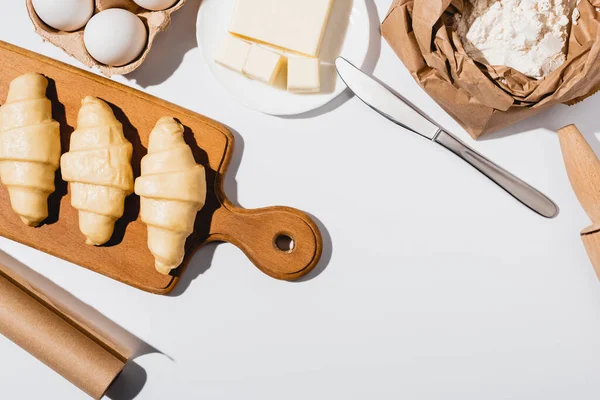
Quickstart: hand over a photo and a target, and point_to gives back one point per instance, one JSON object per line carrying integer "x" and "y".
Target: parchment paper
{"x": 46, "y": 330}
{"x": 484, "y": 98}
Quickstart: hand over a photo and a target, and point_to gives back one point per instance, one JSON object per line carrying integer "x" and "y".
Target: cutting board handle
{"x": 583, "y": 169}
{"x": 282, "y": 242}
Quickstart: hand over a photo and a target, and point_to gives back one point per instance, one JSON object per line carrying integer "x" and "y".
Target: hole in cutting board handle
{"x": 284, "y": 243}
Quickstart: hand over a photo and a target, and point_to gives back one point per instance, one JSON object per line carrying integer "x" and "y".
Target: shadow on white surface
{"x": 325, "y": 256}
{"x": 201, "y": 261}
{"x": 133, "y": 377}
{"x": 374, "y": 38}
{"x": 170, "y": 47}
{"x": 129, "y": 383}
{"x": 368, "y": 66}
{"x": 555, "y": 118}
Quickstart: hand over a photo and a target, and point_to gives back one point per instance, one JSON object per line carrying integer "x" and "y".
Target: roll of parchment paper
{"x": 46, "y": 331}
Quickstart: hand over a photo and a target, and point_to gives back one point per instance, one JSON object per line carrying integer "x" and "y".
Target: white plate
{"x": 347, "y": 35}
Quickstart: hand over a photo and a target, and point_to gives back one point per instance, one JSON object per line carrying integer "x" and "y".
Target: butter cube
{"x": 233, "y": 53}
{"x": 303, "y": 75}
{"x": 262, "y": 64}
{"x": 296, "y": 25}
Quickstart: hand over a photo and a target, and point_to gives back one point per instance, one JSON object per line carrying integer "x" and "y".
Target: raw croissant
{"x": 98, "y": 169}
{"x": 172, "y": 190}
{"x": 29, "y": 147}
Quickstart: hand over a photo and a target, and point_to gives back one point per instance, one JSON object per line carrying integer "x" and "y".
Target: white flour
{"x": 527, "y": 35}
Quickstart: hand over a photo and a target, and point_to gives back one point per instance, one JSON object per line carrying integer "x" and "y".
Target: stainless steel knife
{"x": 386, "y": 103}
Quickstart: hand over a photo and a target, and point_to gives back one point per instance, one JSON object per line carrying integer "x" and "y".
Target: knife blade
{"x": 394, "y": 108}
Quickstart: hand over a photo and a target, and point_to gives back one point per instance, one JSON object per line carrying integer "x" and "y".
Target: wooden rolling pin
{"x": 583, "y": 169}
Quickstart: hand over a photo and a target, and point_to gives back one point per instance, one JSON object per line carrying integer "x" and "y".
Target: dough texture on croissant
{"x": 29, "y": 147}
{"x": 172, "y": 188}
{"x": 98, "y": 169}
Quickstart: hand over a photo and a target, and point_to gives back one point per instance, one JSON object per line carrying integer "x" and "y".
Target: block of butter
{"x": 233, "y": 53}
{"x": 296, "y": 25}
{"x": 303, "y": 75}
{"x": 262, "y": 64}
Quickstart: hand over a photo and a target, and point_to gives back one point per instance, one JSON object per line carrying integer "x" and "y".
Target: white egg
{"x": 115, "y": 37}
{"x": 64, "y": 15}
{"x": 155, "y": 5}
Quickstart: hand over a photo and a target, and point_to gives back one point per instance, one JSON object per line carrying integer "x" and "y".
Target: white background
{"x": 434, "y": 284}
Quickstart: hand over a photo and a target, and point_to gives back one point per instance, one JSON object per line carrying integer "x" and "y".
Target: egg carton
{"x": 72, "y": 42}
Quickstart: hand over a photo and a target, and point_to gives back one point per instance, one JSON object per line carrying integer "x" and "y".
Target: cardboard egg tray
{"x": 72, "y": 42}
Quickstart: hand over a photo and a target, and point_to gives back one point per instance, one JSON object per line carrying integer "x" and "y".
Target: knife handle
{"x": 520, "y": 190}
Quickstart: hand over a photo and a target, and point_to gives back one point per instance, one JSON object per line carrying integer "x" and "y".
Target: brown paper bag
{"x": 484, "y": 98}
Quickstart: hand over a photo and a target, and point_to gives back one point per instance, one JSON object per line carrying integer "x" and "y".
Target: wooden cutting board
{"x": 126, "y": 258}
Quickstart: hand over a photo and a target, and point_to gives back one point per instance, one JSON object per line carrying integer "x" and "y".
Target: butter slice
{"x": 233, "y": 53}
{"x": 303, "y": 75}
{"x": 262, "y": 64}
{"x": 296, "y": 25}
